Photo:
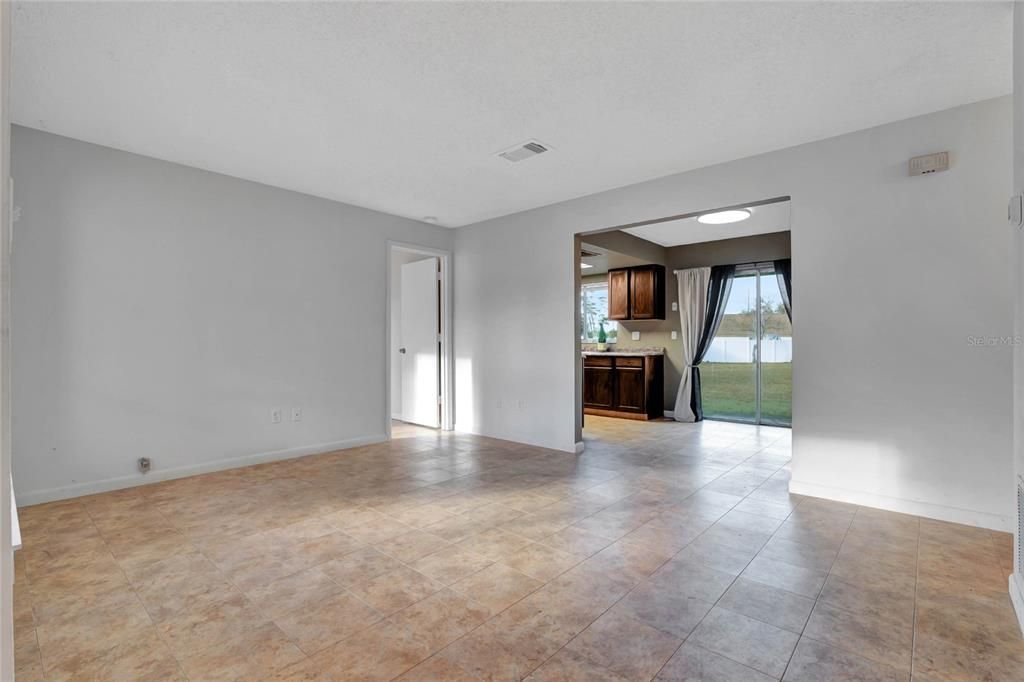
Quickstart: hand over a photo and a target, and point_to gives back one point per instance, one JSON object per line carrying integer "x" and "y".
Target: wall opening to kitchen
{"x": 633, "y": 353}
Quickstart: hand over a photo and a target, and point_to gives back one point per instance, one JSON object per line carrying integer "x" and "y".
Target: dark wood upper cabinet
{"x": 618, "y": 294}
{"x": 636, "y": 293}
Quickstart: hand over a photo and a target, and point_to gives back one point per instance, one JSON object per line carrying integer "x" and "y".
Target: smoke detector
{"x": 523, "y": 151}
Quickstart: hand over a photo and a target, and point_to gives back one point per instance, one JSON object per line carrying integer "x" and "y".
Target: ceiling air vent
{"x": 523, "y": 151}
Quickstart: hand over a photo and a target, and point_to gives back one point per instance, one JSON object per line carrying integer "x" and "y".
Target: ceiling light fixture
{"x": 723, "y": 217}
{"x": 430, "y": 219}
{"x": 584, "y": 266}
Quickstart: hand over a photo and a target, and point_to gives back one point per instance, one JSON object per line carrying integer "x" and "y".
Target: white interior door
{"x": 421, "y": 360}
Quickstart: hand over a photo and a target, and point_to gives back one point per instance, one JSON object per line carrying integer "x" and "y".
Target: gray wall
{"x": 760, "y": 247}
{"x": 164, "y": 311}
{"x": 628, "y": 244}
{"x": 893, "y": 405}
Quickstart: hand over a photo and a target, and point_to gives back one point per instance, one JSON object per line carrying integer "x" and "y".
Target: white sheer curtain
{"x": 693, "y": 304}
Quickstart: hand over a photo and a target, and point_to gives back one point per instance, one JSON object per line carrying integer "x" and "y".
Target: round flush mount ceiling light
{"x": 430, "y": 219}
{"x": 724, "y": 217}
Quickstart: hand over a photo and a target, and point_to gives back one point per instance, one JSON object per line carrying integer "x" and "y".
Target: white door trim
{"x": 447, "y": 355}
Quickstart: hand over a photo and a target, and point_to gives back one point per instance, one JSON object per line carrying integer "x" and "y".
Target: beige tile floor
{"x": 665, "y": 551}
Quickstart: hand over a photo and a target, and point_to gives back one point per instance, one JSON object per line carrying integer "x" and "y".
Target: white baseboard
{"x": 967, "y": 517}
{"x": 30, "y": 497}
{"x": 1017, "y": 598}
{"x": 519, "y": 438}
{"x": 580, "y": 447}
{"x": 669, "y": 414}
{"x": 396, "y": 417}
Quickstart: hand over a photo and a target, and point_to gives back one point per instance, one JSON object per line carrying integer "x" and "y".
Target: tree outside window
{"x": 593, "y": 311}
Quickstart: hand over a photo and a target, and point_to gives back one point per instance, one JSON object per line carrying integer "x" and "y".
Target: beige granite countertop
{"x": 633, "y": 352}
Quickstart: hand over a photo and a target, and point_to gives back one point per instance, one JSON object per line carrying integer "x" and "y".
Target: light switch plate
{"x": 675, "y": 335}
{"x": 675, "y": 306}
{"x": 636, "y": 336}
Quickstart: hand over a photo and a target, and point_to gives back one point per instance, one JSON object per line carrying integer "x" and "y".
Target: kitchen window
{"x": 593, "y": 311}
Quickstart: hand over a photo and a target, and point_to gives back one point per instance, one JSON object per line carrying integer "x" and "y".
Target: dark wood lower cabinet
{"x": 629, "y": 393}
{"x": 623, "y": 386}
{"x": 599, "y": 386}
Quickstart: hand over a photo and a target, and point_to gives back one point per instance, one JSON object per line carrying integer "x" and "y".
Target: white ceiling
{"x": 763, "y": 219}
{"x": 400, "y": 107}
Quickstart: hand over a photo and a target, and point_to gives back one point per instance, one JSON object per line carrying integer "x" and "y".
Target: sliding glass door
{"x": 728, "y": 375}
{"x": 775, "y": 354}
{"x": 746, "y": 375}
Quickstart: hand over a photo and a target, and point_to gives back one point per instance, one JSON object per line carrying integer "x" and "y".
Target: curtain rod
{"x": 748, "y": 266}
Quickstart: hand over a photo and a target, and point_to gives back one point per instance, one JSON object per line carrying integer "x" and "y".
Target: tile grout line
{"x": 630, "y": 591}
{"x": 913, "y": 622}
{"x": 737, "y": 576}
{"x": 559, "y": 649}
{"x": 821, "y": 589}
{"x": 412, "y": 528}
{"x": 131, "y": 585}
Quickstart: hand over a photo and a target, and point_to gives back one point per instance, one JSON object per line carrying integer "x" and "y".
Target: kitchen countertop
{"x": 633, "y": 352}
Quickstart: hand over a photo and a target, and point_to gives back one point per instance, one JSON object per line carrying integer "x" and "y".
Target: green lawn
{"x": 727, "y": 390}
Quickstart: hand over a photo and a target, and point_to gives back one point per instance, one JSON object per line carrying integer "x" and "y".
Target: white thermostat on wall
{"x": 929, "y": 163}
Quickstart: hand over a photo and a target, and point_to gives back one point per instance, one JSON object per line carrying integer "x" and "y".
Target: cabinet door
{"x": 618, "y": 294}
{"x": 630, "y": 389}
{"x": 598, "y": 387}
{"x": 643, "y": 290}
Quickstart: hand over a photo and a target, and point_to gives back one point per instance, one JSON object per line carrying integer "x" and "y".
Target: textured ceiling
{"x": 763, "y": 219}
{"x": 400, "y": 107}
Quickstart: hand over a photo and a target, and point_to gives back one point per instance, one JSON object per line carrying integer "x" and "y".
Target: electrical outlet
{"x": 636, "y": 336}
{"x": 296, "y": 414}
{"x": 275, "y": 415}
{"x": 498, "y": 404}
{"x": 675, "y": 335}
{"x": 522, "y": 404}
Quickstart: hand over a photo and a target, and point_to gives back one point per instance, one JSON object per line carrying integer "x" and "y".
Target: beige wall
{"x": 658, "y": 333}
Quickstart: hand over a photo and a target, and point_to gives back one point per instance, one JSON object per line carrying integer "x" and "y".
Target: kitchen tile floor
{"x": 665, "y": 550}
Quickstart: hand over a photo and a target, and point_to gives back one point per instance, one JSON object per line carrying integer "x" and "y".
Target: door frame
{"x": 446, "y": 355}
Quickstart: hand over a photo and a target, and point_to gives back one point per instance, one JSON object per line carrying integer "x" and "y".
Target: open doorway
{"x": 641, "y": 333}
{"x": 419, "y": 332}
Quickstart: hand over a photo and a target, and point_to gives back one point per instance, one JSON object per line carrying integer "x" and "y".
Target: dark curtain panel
{"x": 718, "y": 293}
{"x": 783, "y": 268}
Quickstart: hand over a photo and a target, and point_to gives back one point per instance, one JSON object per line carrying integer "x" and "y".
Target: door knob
{"x": 401, "y": 350}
